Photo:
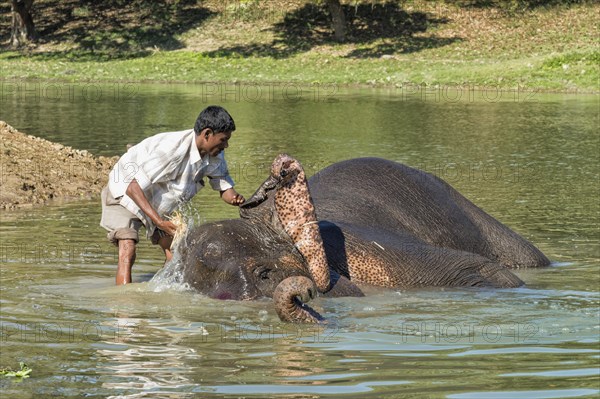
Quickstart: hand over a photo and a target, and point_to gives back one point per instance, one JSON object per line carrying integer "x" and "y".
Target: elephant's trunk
{"x": 290, "y": 297}
{"x": 296, "y": 212}
{"x": 307, "y": 239}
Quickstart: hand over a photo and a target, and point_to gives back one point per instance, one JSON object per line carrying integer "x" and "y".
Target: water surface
{"x": 530, "y": 160}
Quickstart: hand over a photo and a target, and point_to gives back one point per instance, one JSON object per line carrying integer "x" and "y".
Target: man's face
{"x": 213, "y": 143}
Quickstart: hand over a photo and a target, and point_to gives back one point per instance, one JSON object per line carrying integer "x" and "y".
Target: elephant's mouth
{"x": 227, "y": 292}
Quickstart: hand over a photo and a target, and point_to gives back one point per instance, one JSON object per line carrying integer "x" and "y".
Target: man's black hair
{"x": 215, "y": 118}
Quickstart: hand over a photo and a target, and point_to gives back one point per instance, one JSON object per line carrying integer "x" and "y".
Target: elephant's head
{"x": 274, "y": 250}
{"x": 234, "y": 259}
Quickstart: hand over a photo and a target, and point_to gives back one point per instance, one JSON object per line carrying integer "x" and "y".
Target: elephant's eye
{"x": 264, "y": 274}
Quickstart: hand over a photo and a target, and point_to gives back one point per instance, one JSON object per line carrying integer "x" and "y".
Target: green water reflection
{"x": 529, "y": 160}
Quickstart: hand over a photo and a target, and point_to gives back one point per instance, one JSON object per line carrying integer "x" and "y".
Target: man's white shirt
{"x": 169, "y": 169}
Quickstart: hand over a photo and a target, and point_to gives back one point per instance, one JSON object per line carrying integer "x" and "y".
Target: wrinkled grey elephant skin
{"x": 415, "y": 228}
{"x": 378, "y": 222}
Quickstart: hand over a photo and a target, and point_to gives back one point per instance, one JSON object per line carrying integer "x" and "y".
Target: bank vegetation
{"x": 525, "y": 44}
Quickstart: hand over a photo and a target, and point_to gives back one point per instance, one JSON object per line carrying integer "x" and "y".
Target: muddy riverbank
{"x": 35, "y": 171}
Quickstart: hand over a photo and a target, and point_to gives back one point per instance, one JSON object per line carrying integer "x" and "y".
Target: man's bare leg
{"x": 126, "y": 260}
{"x": 165, "y": 242}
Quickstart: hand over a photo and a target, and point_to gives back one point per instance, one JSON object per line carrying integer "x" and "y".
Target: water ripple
{"x": 550, "y": 394}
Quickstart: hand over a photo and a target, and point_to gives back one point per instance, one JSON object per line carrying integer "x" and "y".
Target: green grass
{"x": 420, "y": 42}
{"x": 567, "y": 72}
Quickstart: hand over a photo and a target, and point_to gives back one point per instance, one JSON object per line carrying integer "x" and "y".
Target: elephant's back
{"x": 386, "y": 195}
{"x": 383, "y": 194}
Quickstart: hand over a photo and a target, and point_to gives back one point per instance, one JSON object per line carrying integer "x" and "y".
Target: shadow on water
{"x": 310, "y": 26}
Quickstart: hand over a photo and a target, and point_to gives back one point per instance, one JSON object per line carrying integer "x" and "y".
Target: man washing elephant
{"x": 157, "y": 175}
{"x": 359, "y": 222}
{"x": 364, "y": 221}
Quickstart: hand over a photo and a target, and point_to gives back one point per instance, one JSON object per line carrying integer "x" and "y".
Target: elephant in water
{"x": 362, "y": 221}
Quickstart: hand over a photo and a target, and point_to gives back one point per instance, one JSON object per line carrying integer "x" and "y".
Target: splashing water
{"x": 170, "y": 277}
{"x": 180, "y": 221}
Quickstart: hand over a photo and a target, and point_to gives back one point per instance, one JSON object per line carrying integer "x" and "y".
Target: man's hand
{"x": 135, "y": 192}
{"x": 167, "y": 226}
{"x": 232, "y": 197}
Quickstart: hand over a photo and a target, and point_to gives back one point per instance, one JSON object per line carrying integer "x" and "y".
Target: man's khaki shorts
{"x": 120, "y": 223}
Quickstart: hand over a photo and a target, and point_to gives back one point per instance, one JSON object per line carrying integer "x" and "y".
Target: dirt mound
{"x": 34, "y": 170}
